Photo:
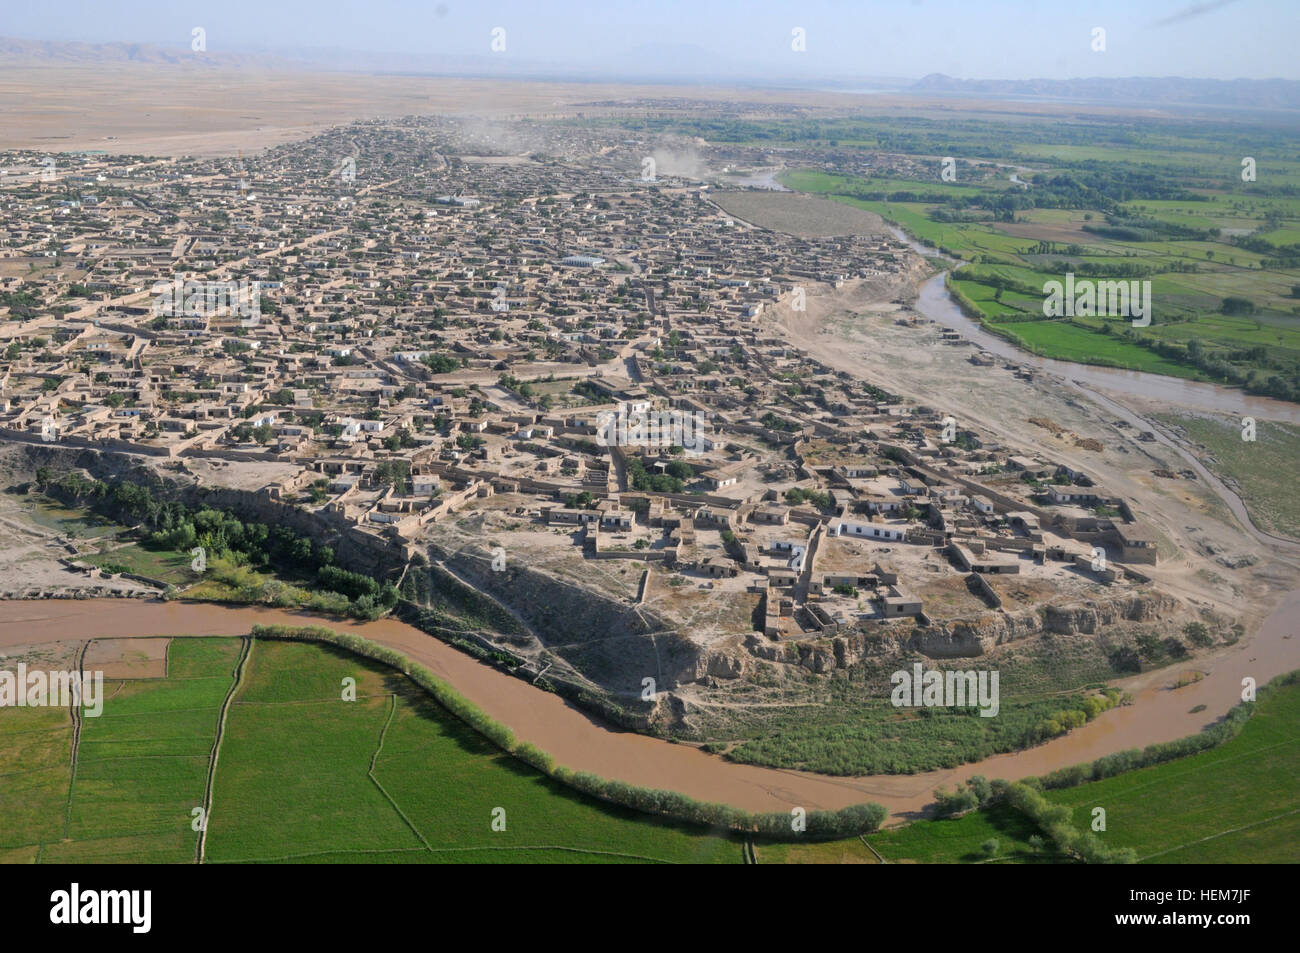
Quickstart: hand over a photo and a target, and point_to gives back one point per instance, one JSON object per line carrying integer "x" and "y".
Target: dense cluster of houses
{"x": 426, "y": 322}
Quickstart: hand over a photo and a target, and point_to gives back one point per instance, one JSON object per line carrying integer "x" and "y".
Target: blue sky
{"x": 981, "y": 39}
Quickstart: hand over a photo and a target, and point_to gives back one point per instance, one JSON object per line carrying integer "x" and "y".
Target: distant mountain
{"x": 1153, "y": 91}
{"x": 659, "y": 63}
{"x": 16, "y": 53}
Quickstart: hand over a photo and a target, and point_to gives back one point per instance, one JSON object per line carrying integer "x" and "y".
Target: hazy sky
{"x": 998, "y": 39}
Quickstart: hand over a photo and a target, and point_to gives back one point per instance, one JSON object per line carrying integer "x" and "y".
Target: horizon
{"x": 721, "y": 41}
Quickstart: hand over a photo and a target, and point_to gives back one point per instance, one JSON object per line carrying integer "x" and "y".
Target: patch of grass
{"x": 849, "y": 851}
{"x": 1237, "y": 803}
{"x": 296, "y": 758}
{"x": 1069, "y": 342}
{"x": 958, "y": 840}
{"x": 1263, "y": 469}
{"x": 143, "y": 763}
{"x": 168, "y": 567}
{"x": 877, "y": 738}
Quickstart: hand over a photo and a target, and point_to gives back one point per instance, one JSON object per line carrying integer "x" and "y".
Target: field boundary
{"x": 370, "y": 773}
{"x": 246, "y": 650}
{"x": 822, "y": 825}
{"x": 448, "y": 850}
{"x": 879, "y": 856}
{"x": 75, "y": 713}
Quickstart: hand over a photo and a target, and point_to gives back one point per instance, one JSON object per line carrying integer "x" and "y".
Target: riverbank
{"x": 577, "y": 741}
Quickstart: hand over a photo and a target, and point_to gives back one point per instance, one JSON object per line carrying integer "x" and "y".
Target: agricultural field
{"x": 126, "y": 793}
{"x": 1222, "y": 254}
{"x": 303, "y": 776}
{"x": 1237, "y": 803}
{"x": 306, "y": 774}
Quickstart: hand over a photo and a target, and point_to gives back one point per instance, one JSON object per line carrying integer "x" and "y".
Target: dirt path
{"x": 579, "y": 742}
{"x": 857, "y": 329}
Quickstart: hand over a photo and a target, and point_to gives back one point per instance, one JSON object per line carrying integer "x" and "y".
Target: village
{"x": 415, "y": 325}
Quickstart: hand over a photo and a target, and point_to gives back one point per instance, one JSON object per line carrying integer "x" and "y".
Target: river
{"x": 575, "y": 739}
{"x": 580, "y": 742}
{"x": 936, "y": 303}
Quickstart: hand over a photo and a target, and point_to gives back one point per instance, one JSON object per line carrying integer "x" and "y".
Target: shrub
{"x": 850, "y": 821}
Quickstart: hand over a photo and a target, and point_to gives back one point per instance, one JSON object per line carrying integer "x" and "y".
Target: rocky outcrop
{"x": 608, "y": 642}
{"x": 970, "y": 638}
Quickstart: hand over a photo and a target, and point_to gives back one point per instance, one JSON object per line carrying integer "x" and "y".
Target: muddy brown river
{"x": 935, "y": 302}
{"x": 1159, "y": 712}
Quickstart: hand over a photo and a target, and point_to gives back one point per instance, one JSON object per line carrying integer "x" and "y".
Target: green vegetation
{"x": 1138, "y": 201}
{"x": 141, "y": 765}
{"x": 1234, "y": 801}
{"x": 167, "y": 567}
{"x": 819, "y": 824}
{"x": 796, "y": 495}
{"x": 410, "y": 771}
{"x": 958, "y": 840}
{"x": 641, "y": 479}
{"x": 1262, "y": 469}
{"x": 877, "y": 738}
{"x": 246, "y": 561}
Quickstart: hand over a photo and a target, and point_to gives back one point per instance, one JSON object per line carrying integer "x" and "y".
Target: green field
{"x": 165, "y": 566}
{"x": 303, "y": 776}
{"x": 1161, "y": 202}
{"x": 141, "y": 765}
{"x": 1237, "y": 803}
{"x": 1069, "y": 342}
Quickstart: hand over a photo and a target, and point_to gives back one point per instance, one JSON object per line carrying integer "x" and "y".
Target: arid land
{"x": 1209, "y": 558}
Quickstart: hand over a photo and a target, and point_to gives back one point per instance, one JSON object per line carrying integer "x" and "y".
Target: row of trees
{"x": 858, "y": 819}
{"x": 1052, "y": 819}
{"x": 224, "y": 537}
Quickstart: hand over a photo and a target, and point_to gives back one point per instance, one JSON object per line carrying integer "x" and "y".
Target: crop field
{"x": 1237, "y": 803}
{"x": 302, "y": 776}
{"x": 140, "y": 770}
{"x": 1069, "y": 342}
{"x": 310, "y": 773}
{"x": 1161, "y": 204}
